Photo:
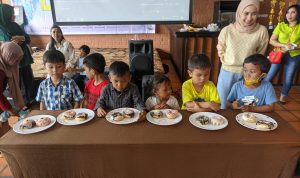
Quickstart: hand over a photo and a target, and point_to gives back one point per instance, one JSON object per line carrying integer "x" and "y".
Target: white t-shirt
{"x": 152, "y": 101}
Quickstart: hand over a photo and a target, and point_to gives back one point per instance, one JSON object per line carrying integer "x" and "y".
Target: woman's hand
{"x": 287, "y": 47}
{"x": 18, "y": 39}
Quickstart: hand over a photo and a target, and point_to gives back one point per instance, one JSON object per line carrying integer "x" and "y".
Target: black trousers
{"x": 26, "y": 84}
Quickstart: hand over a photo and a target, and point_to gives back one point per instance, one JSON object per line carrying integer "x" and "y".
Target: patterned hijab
{"x": 10, "y": 56}
{"x": 239, "y": 25}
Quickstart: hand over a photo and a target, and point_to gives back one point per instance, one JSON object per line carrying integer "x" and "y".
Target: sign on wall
{"x": 38, "y": 21}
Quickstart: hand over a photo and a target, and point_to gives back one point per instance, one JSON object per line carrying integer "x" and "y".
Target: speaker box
{"x": 141, "y": 57}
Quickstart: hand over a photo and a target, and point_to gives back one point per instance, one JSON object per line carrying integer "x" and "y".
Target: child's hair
{"x": 199, "y": 61}
{"x": 159, "y": 79}
{"x": 52, "y": 41}
{"x": 95, "y": 61}
{"x": 86, "y": 49}
{"x": 53, "y": 56}
{"x": 118, "y": 68}
{"x": 259, "y": 59}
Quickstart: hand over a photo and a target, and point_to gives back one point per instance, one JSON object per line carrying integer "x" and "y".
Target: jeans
{"x": 225, "y": 82}
{"x": 291, "y": 65}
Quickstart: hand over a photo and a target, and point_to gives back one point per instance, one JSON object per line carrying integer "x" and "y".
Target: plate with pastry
{"x": 256, "y": 121}
{"x": 75, "y": 116}
{"x": 208, "y": 121}
{"x": 164, "y": 116}
{"x": 123, "y": 116}
{"x": 34, "y": 124}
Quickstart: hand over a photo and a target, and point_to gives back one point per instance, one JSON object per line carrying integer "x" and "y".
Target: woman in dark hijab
{"x": 11, "y": 31}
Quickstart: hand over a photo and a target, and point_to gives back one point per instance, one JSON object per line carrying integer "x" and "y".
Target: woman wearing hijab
{"x": 10, "y": 56}
{"x": 11, "y": 31}
{"x": 238, "y": 41}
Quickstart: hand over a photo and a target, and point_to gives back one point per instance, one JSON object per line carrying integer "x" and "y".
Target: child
{"x": 253, "y": 94}
{"x": 162, "y": 98}
{"x": 198, "y": 93}
{"x": 57, "y": 92}
{"x": 79, "y": 78}
{"x": 93, "y": 65}
{"x": 120, "y": 92}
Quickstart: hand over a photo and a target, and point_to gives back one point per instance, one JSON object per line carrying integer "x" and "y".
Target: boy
{"x": 80, "y": 78}
{"x": 198, "y": 93}
{"x": 120, "y": 92}
{"x": 57, "y": 92}
{"x": 253, "y": 94}
{"x": 93, "y": 65}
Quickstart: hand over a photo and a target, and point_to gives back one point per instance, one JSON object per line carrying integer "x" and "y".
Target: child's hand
{"x": 142, "y": 116}
{"x": 236, "y": 105}
{"x": 193, "y": 107}
{"x": 214, "y": 106}
{"x": 101, "y": 112}
{"x": 248, "y": 108}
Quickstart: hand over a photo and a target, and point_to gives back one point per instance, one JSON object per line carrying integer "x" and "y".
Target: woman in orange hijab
{"x": 10, "y": 56}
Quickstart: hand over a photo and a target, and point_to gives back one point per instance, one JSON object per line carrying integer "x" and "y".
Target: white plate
{"x": 35, "y": 129}
{"x": 253, "y": 125}
{"x": 209, "y": 126}
{"x": 61, "y": 120}
{"x": 164, "y": 120}
{"x": 135, "y": 118}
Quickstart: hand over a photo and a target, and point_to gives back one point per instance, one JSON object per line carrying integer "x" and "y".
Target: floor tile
{"x": 286, "y": 115}
{"x": 292, "y": 105}
{"x": 295, "y": 125}
{"x": 296, "y": 113}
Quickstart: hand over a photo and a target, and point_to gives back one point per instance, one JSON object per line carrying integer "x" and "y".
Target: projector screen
{"x": 93, "y": 12}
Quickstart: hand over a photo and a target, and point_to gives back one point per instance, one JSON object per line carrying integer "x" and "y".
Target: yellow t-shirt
{"x": 284, "y": 31}
{"x": 208, "y": 93}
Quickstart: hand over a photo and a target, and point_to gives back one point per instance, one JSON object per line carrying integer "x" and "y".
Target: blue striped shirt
{"x": 58, "y": 97}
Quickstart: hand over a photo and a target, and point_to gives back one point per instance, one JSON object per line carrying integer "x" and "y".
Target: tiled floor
{"x": 290, "y": 112}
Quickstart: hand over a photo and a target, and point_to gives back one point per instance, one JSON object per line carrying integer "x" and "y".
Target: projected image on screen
{"x": 121, "y": 11}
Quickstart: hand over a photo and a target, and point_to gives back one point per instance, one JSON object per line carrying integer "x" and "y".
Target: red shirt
{"x": 92, "y": 92}
{"x": 4, "y": 104}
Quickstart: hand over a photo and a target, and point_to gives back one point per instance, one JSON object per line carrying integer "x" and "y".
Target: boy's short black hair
{"x": 199, "y": 61}
{"x": 85, "y": 49}
{"x": 95, "y": 61}
{"x": 259, "y": 59}
{"x": 118, "y": 68}
{"x": 53, "y": 56}
{"x": 159, "y": 79}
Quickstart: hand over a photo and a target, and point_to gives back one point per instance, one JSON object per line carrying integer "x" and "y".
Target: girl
{"x": 287, "y": 36}
{"x": 93, "y": 65}
{"x": 162, "y": 98}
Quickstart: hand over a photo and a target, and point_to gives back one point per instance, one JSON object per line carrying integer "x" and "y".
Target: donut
{"x": 81, "y": 116}
{"x": 27, "y": 124}
{"x": 216, "y": 120}
{"x": 117, "y": 116}
{"x": 42, "y": 122}
{"x": 128, "y": 113}
{"x": 263, "y": 124}
{"x": 248, "y": 117}
{"x": 172, "y": 114}
{"x": 204, "y": 120}
{"x": 69, "y": 115}
{"x": 156, "y": 114}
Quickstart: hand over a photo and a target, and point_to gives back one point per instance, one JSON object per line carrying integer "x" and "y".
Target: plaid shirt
{"x": 58, "y": 97}
{"x": 112, "y": 99}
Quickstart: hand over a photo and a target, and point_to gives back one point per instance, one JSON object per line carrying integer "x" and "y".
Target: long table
{"x": 101, "y": 149}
